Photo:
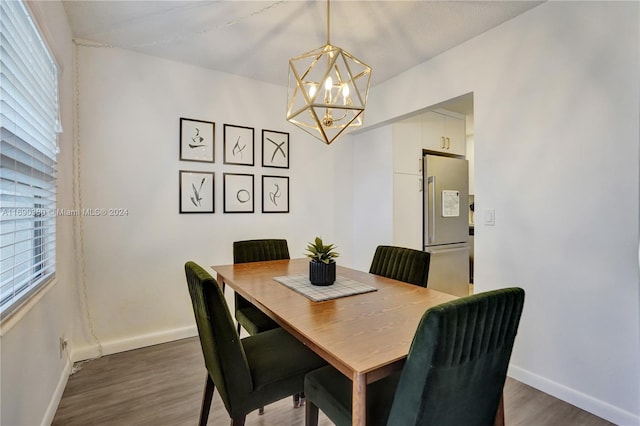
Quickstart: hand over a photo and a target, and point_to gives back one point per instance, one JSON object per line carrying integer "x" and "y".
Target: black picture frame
{"x": 238, "y": 192}
{"x": 275, "y": 194}
{"x": 275, "y": 149}
{"x": 197, "y": 140}
{"x": 196, "y": 191}
{"x": 239, "y": 144}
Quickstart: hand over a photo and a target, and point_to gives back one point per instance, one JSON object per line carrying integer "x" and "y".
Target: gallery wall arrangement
{"x": 197, "y": 188}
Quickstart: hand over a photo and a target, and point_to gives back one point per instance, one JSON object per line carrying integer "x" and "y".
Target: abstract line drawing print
{"x": 196, "y": 198}
{"x": 275, "y": 149}
{"x": 196, "y": 192}
{"x": 197, "y": 140}
{"x": 237, "y": 149}
{"x": 275, "y": 194}
{"x": 278, "y": 149}
{"x": 243, "y": 196}
{"x": 238, "y": 193}
{"x": 238, "y": 145}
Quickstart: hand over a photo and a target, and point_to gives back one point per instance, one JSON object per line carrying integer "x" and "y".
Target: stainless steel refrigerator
{"x": 446, "y": 223}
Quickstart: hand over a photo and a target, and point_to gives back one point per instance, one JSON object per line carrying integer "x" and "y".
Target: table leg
{"x": 359, "y": 396}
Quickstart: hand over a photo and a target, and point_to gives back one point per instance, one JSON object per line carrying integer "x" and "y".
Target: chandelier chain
{"x": 328, "y": 22}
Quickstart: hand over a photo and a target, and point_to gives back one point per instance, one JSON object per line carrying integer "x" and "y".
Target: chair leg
{"x": 209, "y": 387}
{"x": 310, "y": 414}
{"x": 298, "y": 400}
{"x": 238, "y": 422}
{"x": 260, "y": 411}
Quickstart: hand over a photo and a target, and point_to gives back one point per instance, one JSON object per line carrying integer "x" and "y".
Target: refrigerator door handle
{"x": 431, "y": 191}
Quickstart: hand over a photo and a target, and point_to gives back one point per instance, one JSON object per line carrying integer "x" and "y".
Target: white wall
{"x": 372, "y": 187}
{"x": 32, "y": 372}
{"x": 556, "y": 103}
{"x": 130, "y": 105}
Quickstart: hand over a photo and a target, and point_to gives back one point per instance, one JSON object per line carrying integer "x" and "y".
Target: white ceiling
{"x": 257, "y": 38}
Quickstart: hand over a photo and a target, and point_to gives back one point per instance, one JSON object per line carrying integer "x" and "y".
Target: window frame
{"x": 34, "y": 123}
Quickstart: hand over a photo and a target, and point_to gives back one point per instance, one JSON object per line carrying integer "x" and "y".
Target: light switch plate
{"x": 489, "y": 217}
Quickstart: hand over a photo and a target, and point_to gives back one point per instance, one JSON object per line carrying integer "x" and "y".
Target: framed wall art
{"x": 238, "y": 145}
{"x": 275, "y": 194}
{"x": 197, "y": 140}
{"x": 275, "y": 149}
{"x": 197, "y": 192}
{"x": 238, "y": 193}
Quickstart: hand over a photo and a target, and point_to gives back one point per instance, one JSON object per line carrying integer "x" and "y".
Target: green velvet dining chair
{"x": 402, "y": 264}
{"x": 248, "y": 373}
{"x": 247, "y": 315}
{"x": 454, "y": 373}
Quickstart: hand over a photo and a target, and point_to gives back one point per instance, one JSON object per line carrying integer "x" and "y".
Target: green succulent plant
{"x": 318, "y": 252}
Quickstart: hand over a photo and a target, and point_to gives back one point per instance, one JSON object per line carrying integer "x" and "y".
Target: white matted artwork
{"x": 196, "y": 192}
{"x": 197, "y": 140}
{"x": 238, "y": 193}
{"x": 275, "y": 149}
{"x": 275, "y": 194}
{"x": 238, "y": 145}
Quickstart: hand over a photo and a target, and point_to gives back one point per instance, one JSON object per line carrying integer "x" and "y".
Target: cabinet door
{"x": 443, "y": 133}
{"x": 407, "y": 146}
{"x": 407, "y": 210}
{"x": 454, "y": 129}
{"x": 433, "y": 136}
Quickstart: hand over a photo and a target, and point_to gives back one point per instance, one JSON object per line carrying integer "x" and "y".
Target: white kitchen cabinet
{"x": 444, "y": 132}
{"x": 407, "y": 210}
{"x": 407, "y": 146}
{"x": 407, "y": 183}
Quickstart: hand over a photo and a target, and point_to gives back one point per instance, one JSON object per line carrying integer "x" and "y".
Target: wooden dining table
{"x": 365, "y": 336}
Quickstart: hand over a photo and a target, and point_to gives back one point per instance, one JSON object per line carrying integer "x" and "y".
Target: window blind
{"x": 28, "y": 123}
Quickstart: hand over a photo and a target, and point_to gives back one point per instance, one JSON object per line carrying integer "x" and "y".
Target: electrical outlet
{"x": 63, "y": 345}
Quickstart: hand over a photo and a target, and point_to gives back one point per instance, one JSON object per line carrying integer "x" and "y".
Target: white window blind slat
{"x": 14, "y": 67}
{"x": 28, "y": 163}
{"x": 26, "y": 38}
{"x": 22, "y": 116}
{"x": 14, "y": 149}
{"x": 36, "y": 74}
{"x": 31, "y": 106}
{"x": 19, "y": 117}
{"x": 22, "y": 133}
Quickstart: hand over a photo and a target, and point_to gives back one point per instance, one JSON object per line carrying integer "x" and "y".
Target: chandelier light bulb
{"x": 345, "y": 93}
{"x": 328, "y": 84}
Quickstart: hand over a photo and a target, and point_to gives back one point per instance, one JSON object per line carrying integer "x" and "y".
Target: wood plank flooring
{"x": 163, "y": 384}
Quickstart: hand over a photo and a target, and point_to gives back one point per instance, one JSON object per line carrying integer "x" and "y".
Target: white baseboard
{"x": 133, "y": 342}
{"x": 57, "y": 394}
{"x": 583, "y": 401}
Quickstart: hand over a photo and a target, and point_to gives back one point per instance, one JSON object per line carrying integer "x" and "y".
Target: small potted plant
{"x": 322, "y": 267}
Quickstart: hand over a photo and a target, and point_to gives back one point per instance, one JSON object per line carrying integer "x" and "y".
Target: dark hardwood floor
{"x": 163, "y": 384}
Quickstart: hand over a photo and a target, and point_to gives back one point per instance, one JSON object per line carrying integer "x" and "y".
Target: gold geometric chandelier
{"x": 328, "y": 89}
